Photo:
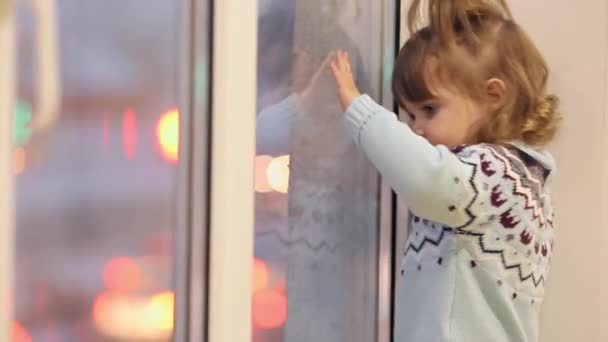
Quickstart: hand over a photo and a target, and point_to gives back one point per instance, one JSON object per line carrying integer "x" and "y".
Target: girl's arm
{"x": 437, "y": 184}
{"x": 453, "y": 189}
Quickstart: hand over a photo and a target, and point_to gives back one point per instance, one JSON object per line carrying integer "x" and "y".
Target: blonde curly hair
{"x": 472, "y": 41}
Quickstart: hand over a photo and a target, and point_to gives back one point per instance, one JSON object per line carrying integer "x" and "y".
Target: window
{"x": 319, "y": 240}
{"x": 95, "y": 193}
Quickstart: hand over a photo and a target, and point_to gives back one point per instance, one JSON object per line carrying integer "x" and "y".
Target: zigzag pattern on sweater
{"x": 515, "y": 175}
{"x": 530, "y": 191}
{"x": 501, "y": 252}
{"x": 436, "y": 242}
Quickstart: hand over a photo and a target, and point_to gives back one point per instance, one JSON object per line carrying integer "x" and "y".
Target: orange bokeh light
{"x": 20, "y": 157}
{"x": 159, "y": 311}
{"x": 260, "y": 275}
{"x": 269, "y": 309}
{"x": 102, "y": 306}
{"x": 122, "y": 274}
{"x": 282, "y": 286}
{"x": 133, "y": 317}
{"x": 278, "y": 174}
{"x": 167, "y": 135}
{"x": 18, "y": 333}
{"x": 261, "y": 177}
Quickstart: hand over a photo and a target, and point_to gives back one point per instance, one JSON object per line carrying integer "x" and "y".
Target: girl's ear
{"x": 495, "y": 92}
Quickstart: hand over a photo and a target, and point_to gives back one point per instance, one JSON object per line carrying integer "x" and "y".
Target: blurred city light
{"x": 122, "y": 274}
{"x": 260, "y": 275}
{"x": 129, "y": 317}
{"x": 19, "y": 334}
{"x": 261, "y": 173}
{"x": 20, "y": 157}
{"x": 278, "y": 174}
{"x": 282, "y": 286}
{"x": 167, "y": 135}
{"x": 269, "y": 309}
{"x": 114, "y": 313}
{"x": 129, "y": 134}
{"x": 159, "y": 311}
{"x": 22, "y": 133}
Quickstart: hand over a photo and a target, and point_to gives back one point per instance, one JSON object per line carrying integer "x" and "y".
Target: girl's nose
{"x": 418, "y": 130}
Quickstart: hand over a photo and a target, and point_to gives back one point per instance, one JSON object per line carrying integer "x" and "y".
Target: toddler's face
{"x": 448, "y": 118}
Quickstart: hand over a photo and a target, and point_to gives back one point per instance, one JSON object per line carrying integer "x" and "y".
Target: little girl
{"x": 470, "y": 168}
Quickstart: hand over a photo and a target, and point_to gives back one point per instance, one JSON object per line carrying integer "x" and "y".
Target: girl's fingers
{"x": 338, "y": 71}
{"x": 345, "y": 63}
{"x": 340, "y": 60}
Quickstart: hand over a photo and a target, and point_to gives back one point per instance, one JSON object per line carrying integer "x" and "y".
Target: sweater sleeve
{"x": 436, "y": 183}
{"x": 274, "y": 127}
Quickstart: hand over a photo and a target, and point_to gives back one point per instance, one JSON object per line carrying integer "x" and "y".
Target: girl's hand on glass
{"x": 345, "y": 81}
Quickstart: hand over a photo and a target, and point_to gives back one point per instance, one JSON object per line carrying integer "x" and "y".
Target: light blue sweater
{"x": 481, "y": 230}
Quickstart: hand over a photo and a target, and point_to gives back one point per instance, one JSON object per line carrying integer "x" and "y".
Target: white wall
{"x": 573, "y": 36}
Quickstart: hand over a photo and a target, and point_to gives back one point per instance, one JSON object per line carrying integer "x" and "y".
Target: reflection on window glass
{"x": 95, "y": 193}
{"x": 315, "y": 266}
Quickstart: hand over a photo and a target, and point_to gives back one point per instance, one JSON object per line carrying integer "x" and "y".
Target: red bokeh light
{"x": 129, "y": 134}
{"x": 19, "y": 334}
{"x": 122, "y": 274}
{"x": 269, "y": 309}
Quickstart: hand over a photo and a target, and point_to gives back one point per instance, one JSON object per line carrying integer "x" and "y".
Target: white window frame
{"x": 7, "y": 101}
{"x": 216, "y": 195}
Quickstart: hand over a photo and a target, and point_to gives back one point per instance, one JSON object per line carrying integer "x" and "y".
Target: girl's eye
{"x": 429, "y": 109}
{"x": 412, "y": 117}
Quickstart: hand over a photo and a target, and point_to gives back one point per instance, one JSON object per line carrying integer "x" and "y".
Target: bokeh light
{"x": 278, "y": 174}
{"x": 260, "y": 275}
{"x": 134, "y": 318}
{"x": 20, "y": 158}
{"x": 22, "y": 133}
{"x": 167, "y": 135}
{"x": 159, "y": 311}
{"x": 122, "y": 274}
{"x": 18, "y": 333}
{"x": 261, "y": 177}
{"x": 282, "y": 286}
{"x": 269, "y": 309}
{"x": 129, "y": 134}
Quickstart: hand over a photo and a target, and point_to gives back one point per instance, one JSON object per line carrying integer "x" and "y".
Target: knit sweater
{"x": 481, "y": 231}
